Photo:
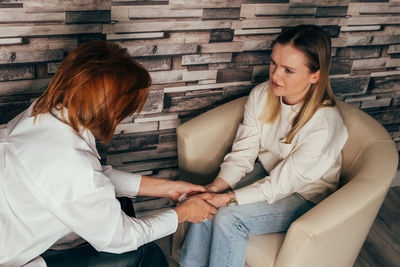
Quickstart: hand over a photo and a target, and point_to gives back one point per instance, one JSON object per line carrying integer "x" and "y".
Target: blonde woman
{"x": 286, "y": 156}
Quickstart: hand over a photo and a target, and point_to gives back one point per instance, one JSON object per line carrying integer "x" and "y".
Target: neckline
{"x": 286, "y": 107}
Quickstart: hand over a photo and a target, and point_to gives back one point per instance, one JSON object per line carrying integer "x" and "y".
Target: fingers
{"x": 198, "y": 188}
{"x": 195, "y": 210}
{"x": 205, "y": 196}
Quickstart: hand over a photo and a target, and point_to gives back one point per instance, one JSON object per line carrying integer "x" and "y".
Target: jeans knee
{"x": 224, "y": 215}
{"x": 226, "y": 218}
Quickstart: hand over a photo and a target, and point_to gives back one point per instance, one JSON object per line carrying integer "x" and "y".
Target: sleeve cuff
{"x": 231, "y": 174}
{"x": 162, "y": 224}
{"x": 256, "y": 192}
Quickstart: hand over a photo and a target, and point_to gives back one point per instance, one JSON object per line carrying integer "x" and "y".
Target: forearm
{"x": 218, "y": 185}
{"x": 165, "y": 188}
{"x": 125, "y": 183}
{"x": 154, "y": 187}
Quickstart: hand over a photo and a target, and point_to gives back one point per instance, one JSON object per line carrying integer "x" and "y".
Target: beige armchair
{"x": 330, "y": 234}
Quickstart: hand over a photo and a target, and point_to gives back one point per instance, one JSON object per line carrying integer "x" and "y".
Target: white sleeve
{"x": 126, "y": 184}
{"x": 312, "y": 158}
{"x": 97, "y": 217}
{"x": 245, "y": 146}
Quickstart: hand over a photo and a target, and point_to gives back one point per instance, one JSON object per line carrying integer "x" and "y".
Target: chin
{"x": 276, "y": 91}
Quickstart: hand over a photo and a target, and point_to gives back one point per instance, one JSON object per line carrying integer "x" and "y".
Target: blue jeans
{"x": 222, "y": 241}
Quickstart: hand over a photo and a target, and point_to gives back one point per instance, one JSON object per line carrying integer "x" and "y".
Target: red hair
{"x": 100, "y": 84}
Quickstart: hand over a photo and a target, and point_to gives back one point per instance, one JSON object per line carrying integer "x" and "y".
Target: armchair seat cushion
{"x": 263, "y": 249}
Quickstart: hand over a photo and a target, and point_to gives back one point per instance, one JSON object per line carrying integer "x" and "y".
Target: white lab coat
{"x": 53, "y": 189}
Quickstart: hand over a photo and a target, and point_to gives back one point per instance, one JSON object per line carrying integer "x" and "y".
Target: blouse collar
{"x": 290, "y": 108}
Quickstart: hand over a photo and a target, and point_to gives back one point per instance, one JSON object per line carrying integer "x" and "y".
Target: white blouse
{"x": 310, "y": 165}
{"x": 53, "y": 189}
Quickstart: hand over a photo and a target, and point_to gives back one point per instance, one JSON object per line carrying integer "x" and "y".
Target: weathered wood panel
{"x": 95, "y": 16}
{"x": 206, "y": 58}
{"x": 360, "y": 28}
{"x": 339, "y": 11}
{"x": 203, "y": 87}
{"x": 277, "y": 22}
{"x": 230, "y": 75}
{"x": 320, "y": 2}
{"x": 17, "y": 31}
{"x": 282, "y": 9}
{"x": 143, "y": 166}
{"x": 155, "y": 63}
{"x": 25, "y": 57}
{"x": 166, "y": 26}
{"x": 154, "y": 103}
{"x": 65, "y": 5}
{"x": 127, "y": 36}
{"x": 200, "y": 54}
{"x": 15, "y": 15}
{"x": 221, "y": 13}
{"x": 186, "y": 4}
{"x": 199, "y": 75}
{"x": 12, "y": 73}
{"x": 161, "y": 50}
{"x": 119, "y": 159}
{"x": 359, "y": 52}
{"x": 23, "y": 87}
{"x": 153, "y": 11}
{"x": 350, "y": 85}
{"x": 373, "y": 63}
{"x": 377, "y": 20}
{"x": 163, "y": 77}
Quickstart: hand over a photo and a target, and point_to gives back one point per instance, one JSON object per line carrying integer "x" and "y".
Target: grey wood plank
{"x": 18, "y": 72}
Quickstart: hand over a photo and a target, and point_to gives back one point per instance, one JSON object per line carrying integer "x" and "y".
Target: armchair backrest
{"x": 342, "y": 221}
{"x": 365, "y": 133}
{"x": 204, "y": 140}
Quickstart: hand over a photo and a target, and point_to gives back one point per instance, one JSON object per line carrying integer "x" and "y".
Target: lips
{"x": 275, "y": 84}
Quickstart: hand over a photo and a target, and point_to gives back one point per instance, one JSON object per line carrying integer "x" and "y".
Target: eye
{"x": 288, "y": 70}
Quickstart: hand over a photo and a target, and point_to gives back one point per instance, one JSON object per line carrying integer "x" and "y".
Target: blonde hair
{"x": 315, "y": 44}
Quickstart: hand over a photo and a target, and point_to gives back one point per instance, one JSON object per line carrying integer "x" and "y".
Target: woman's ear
{"x": 315, "y": 77}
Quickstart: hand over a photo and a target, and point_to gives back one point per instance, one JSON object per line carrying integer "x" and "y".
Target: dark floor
{"x": 382, "y": 246}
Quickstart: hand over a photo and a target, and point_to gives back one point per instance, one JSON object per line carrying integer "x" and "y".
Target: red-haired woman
{"x": 53, "y": 189}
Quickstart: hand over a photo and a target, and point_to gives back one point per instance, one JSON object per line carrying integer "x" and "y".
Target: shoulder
{"x": 328, "y": 123}
{"x": 56, "y": 158}
{"x": 330, "y": 115}
{"x": 258, "y": 95}
{"x": 260, "y": 90}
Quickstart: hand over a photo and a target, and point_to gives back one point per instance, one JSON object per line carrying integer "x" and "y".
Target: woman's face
{"x": 289, "y": 74}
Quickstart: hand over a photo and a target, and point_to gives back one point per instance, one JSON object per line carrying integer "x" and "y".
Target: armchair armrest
{"x": 342, "y": 221}
{"x": 204, "y": 140}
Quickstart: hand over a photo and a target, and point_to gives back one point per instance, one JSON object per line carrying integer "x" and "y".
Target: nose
{"x": 275, "y": 73}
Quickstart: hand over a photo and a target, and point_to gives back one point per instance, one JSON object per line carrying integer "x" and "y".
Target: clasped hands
{"x": 201, "y": 202}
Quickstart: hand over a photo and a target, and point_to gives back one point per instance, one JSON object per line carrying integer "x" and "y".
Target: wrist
{"x": 231, "y": 198}
{"x": 212, "y": 188}
{"x": 179, "y": 214}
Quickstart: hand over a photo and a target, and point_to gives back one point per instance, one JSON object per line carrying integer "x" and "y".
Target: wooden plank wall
{"x": 200, "y": 53}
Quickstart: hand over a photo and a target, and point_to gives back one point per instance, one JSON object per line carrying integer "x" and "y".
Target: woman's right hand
{"x": 217, "y": 186}
{"x": 196, "y": 209}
